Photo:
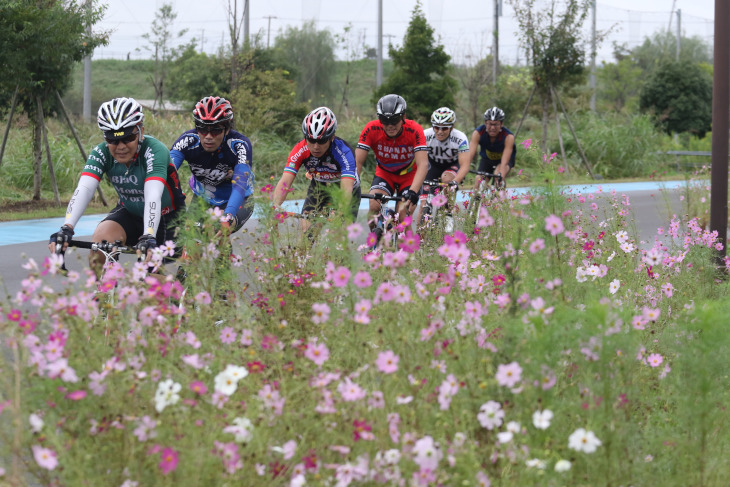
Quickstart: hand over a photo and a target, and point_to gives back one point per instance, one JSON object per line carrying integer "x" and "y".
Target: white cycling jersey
{"x": 446, "y": 152}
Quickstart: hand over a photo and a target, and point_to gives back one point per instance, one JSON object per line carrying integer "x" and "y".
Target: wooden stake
{"x": 78, "y": 141}
{"x": 42, "y": 121}
{"x": 10, "y": 121}
{"x": 575, "y": 137}
{"x": 524, "y": 112}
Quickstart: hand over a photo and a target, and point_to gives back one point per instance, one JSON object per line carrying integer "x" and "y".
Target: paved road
{"x": 651, "y": 209}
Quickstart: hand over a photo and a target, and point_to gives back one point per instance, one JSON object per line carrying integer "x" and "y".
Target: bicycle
{"x": 430, "y": 213}
{"x": 385, "y": 221}
{"x": 487, "y": 188}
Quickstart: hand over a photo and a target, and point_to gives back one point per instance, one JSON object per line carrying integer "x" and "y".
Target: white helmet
{"x": 119, "y": 115}
{"x": 444, "y": 117}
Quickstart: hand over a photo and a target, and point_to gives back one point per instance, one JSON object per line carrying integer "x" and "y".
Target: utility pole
{"x": 495, "y": 43}
{"x": 679, "y": 31}
{"x": 87, "y": 76}
{"x": 720, "y": 125}
{"x": 246, "y": 11}
{"x": 379, "y": 68}
{"x": 268, "y": 30}
{"x": 593, "y": 57}
{"x": 202, "y": 40}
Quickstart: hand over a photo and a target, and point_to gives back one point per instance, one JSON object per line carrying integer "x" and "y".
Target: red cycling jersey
{"x": 393, "y": 155}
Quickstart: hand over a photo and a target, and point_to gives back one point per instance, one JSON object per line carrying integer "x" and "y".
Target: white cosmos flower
{"x": 614, "y": 286}
{"x": 562, "y": 466}
{"x": 166, "y": 394}
{"x": 582, "y": 440}
{"x": 541, "y": 419}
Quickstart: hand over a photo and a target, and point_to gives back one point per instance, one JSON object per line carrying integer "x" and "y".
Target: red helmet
{"x": 213, "y": 110}
{"x": 320, "y": 124}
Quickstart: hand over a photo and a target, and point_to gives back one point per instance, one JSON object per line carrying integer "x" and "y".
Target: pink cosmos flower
{"x": 439, "y": 200}
{"x": 350, "y": 391}
{"x": 655, "y": 360}
{"x": 203, "y": 298}
{"x": 317, "y": 353}
{"x": 371, "y": 240}
{"x": 354, "y": 230}
{"x": 321, "y": 312}
{"x": 76, "y": 395}
{"x": 169, "y": 460}
{"x": 526, "y": 143}
{"x": 485, "y": 219}
{"x": 411, "y": 242}
{"x": 228, "y": 335}
{"x": 341, "y": 276}
{"x": 385, "y": 292}
{"x": 362, "y": 279}
{"x": 537, "y": 245}
{"x": 554, "y": 225}
{"x": 45, "y": 457}
{"x": 198, "y": 387}
{"x": 509, "y": 375}
{"x": 387, "y": 362}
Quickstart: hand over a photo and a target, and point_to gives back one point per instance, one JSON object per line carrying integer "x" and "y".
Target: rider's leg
{"x": 108, "y": 230}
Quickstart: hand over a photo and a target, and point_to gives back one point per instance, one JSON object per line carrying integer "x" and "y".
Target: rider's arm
{"x": 509, "y": 147}
{"x": 80, "y": 199}
{"x": 360, "y": 156}
{"x": 153, "y": 189}
{"x": 242, "y": 182}
{"x": 421, "y": 159}
{"x": 474, "y": 145}
{"x": 464, "y": 164}
{"x": 283, "y": 187}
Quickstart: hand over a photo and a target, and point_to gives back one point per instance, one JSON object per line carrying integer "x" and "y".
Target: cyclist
{"x": 328, "y": 159}
{"x": 219, "y": 159}
{"x": 448, "y": 156}
{"x": 140, "y": 170}
{"x": 401, "y": 155}
{"x": 496, "y": 145}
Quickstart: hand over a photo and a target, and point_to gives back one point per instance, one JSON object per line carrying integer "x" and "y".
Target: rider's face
{"x": 211, "y": 137}
{"x": 441, "y": 133}
{"x": 123, "y": 151}
{"x": 493, "y": 127}
{"x": 318, "y": 147}
{"x": 392, "y": 128}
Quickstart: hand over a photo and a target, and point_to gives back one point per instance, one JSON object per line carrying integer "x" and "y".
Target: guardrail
{"x": 680, "y": 153}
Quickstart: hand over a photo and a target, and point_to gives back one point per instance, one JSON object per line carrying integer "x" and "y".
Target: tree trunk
{"x": 577, "y": 142}
{"x": 78, "y": 141}
{"x": 37, "y": 155}
{"x": 524, "y": 112}
{"x": 54, "y": 184}
{"x": 10, "y": 121}
{"x": 545, "y": 111}
{"x": 560, "y": 134}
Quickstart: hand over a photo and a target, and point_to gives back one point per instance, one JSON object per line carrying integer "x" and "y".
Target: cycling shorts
{"x": 392, "y": 184}
{"x": 133, "y": 225}
{"x": 318, "y": 198}
{"x": 488, "y": 165}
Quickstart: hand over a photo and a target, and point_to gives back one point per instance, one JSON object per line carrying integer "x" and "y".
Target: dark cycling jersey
{"x": 337, "y": 163}
{"x": 223, "y": 177}
{"x": 393, "y": 155}
{"x": 153, "y": 162}
{"x": 492, "y": 151}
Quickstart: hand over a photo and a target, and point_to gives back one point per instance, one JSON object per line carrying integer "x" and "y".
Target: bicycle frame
{"x": 431, "y": 212}
{"x": 386, "y": 217}
{"x": 488, "y": 185}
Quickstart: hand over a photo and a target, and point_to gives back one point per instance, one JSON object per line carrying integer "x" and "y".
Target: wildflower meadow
{"x": 538, "y": 344}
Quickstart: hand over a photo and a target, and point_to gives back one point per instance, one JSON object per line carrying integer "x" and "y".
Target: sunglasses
{"x": 125, "y": 140}
{"x": 392, "y": 120}
{"x": 436, "y": 128}
{"x": 317, "y": 141}
{"x": 205, "y": 130}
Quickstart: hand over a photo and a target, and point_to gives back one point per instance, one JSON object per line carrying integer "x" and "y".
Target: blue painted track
{"x": 24, "y": 231}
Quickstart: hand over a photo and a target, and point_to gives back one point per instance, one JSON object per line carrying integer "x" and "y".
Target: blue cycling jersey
{"x": 223, "y": 177}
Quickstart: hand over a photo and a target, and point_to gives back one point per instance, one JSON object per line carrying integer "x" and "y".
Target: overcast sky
{"x": 464, "y": 26}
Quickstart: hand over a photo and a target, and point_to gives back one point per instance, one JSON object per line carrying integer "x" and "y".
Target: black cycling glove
{"x": 146, "y": 242}
{"x": 62, "y": 236}
{"x": 409, "y": 195}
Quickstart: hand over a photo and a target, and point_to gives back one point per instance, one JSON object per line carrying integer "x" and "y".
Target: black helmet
{"x": 494, "y": 113}
{"x": 391, "y": 108}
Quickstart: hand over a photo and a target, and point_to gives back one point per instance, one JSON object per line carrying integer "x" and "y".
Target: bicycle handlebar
{"x": 103, "y": 246}
{"x": 432, "y": 182}
{"x": 486, "y": 174}
{"x": 380, "y": 197}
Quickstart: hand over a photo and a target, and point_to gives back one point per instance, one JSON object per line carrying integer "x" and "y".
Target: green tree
{"x": 619, "y": 83}
{"x": 194, "y": 75}
{"x": 554, "y": 42}
{"x": 662, "y": 48}
{"x": 421, "y": 70}
{"x": 311, "y": 59}
{"x": 680, "y": 97}
{"x": 40, "y": 40}
{"x": 161, "y": 39}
